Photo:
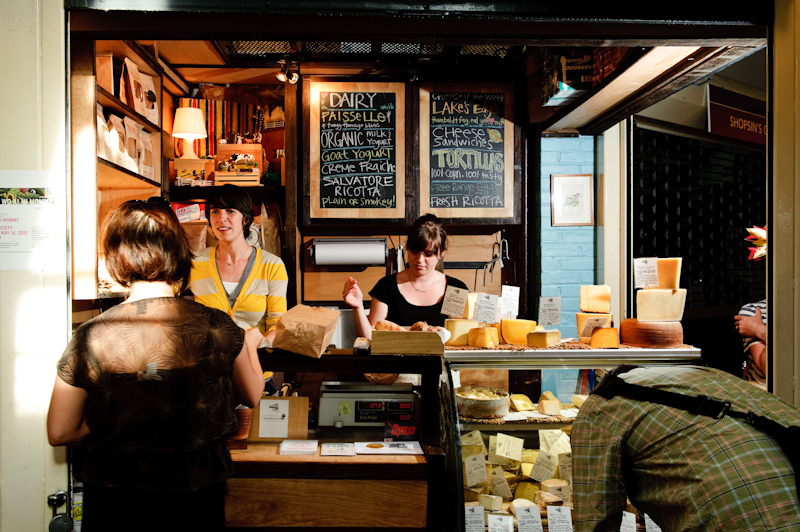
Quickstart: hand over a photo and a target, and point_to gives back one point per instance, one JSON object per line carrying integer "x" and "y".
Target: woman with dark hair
{"x": 416, "y": 293}
{"x": 247, "y": 283}
{"x": 149, "y": 386}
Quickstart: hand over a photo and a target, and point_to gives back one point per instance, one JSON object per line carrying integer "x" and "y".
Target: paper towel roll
{"x": 332, "y": 252}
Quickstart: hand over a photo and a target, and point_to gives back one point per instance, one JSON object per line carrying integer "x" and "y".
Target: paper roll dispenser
{"x": 349, "y": 251}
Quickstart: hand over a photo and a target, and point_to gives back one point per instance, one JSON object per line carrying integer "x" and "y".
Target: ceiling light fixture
{"x": 286, "y": 73}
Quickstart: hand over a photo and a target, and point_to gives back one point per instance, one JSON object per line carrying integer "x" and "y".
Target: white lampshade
{"x": 190, "y": 126}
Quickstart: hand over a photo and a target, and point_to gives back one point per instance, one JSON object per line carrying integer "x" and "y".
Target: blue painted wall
{"x": 567, "y": 252}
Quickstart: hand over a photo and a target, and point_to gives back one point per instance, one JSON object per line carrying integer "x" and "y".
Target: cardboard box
{"x": 242, "y": 179}
{"x": 190, "y": 167}
{"x": 190, "y": 212}
{"x": 104, "y": 71}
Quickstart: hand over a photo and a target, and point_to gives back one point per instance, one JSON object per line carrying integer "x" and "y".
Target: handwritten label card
{"x": 548, "y": 438}
{"x": 549, "y": 310}
{"x": 473, "y": 519}
{"x": 494, "y": 458}
{"x": 545, "y": 466}
{"x": 455, "y": 301}
{"x": 475, "y": 470}
{"x": 565, "y": 466}
{"x": 559, "y": 519}
{"x": 645, "y": 272}
{"x": 509, "y": 301}
{"x": 474, "y": 438}
{"x": 500, "y": 484}
{"x": 486, "y": 308}
{"x": 592, "y": 324}
{"x": 509, "y": 446}
{"x": 650, "y": 525}
{"x": 529, "y": 520}
{"x": 628, "y": 522}
{"x": 501, "y": 523}
{"x": 561, "y": 445}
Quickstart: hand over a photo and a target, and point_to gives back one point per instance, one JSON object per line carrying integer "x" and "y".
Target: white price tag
{"x": 645, "y": 272}
{"x": 650, "y": 525}
{"x": 559, "y": 519}
{"x": 455, "y": 301}
{"x": 501, "y": 523}
{"x": 486, "y": 308}
{"x": 549, "y": 310}
{"x": 565, "y": 466}
{"x": 473, "y": 519}
{"x": 475, "y": 470}
{"x": 529, "y": 520}
{"x": 500, "y": 484}
{"x": 592, "y": 324}
{"x": 509, "y": 446}
{"x": 494, "y": 458}
{"x": 509, "y": 305}
{"x": 628, "y": 522}
{"x": 545, "y": 466}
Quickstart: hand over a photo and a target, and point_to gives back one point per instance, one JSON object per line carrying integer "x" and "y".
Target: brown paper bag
{"x": 306, "y": 330}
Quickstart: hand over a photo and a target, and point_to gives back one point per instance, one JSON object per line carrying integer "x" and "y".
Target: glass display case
{"x": 521, "y": 372}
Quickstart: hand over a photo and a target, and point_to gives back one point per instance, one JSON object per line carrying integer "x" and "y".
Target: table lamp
{"x": 189, "y": 125}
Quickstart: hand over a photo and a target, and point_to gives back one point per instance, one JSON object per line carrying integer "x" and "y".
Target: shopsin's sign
{"x": 737, "y": 116}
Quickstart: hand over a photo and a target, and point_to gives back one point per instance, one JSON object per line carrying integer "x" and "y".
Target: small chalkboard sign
{"x": 357, "y": 150}
{"x": 467, "y": 157}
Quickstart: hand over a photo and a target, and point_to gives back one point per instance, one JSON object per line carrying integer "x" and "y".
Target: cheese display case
{"x": 501, "y": 460}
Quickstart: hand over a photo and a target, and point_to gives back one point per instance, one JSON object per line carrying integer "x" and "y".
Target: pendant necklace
{"x": 417, "y": 289}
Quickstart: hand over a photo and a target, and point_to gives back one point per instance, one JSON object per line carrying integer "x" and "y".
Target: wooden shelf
{"x": 111, "y": 102}
{"x": 111, "y": 176}
{"x": 186, "y": 194}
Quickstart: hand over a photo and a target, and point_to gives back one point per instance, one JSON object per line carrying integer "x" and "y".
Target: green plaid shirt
{"x": 686, "y": 472}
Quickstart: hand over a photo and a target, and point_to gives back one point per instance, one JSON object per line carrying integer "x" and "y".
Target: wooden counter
{"x": 313, "y": 492}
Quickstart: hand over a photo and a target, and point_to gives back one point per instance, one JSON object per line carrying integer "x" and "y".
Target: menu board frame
{"x": 398, "y": 211}
{"x": 509, "y": 200}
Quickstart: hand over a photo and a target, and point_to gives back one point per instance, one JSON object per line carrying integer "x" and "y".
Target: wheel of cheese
{"x": 653, "y": 334}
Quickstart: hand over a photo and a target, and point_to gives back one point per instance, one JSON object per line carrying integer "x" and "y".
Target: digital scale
{"x": 356, "y": 404}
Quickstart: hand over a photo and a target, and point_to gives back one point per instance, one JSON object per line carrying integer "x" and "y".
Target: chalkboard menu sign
{"x": 356, "y": 150}
{"x": 467, "y": 160}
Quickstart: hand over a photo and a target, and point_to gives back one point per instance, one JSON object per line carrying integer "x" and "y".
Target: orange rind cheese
{"x": 516, "y": 331}
{"x": 605, "y": 338}
{"x": 598, "y": 320}
{"x": 669, "y": 273}
{"x": 596, "y": 298}
{"x": 483, "y": 337}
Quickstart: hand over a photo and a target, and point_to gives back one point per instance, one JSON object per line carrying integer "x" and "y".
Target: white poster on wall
{"x": 28, "y": 221}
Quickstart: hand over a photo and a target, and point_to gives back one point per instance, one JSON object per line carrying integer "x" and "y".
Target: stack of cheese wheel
{"x": 594, "y": 321}
{"x": 659, "y": 310}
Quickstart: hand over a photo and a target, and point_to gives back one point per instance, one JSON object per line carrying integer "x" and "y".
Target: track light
{"x": 286, "y": 73}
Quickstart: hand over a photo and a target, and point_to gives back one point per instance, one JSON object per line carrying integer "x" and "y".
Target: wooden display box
{"x": 296, "y": 418}
{"x": 242, "y": 179}
{"x": 197, "y": 165}
{"x": 224, "y": 152}
{"x": 406, "y": 343}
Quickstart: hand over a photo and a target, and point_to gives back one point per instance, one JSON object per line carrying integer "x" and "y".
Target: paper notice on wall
{"x": 28, "y": 220}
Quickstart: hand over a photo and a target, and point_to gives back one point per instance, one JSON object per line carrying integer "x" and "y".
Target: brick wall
{"x": 567, "y": 252}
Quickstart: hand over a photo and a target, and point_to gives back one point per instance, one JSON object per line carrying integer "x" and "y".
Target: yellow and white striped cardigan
{"x": 262, "y": 299}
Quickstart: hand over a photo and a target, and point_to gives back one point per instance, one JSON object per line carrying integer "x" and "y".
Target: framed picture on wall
{"x": 571, "y": 199}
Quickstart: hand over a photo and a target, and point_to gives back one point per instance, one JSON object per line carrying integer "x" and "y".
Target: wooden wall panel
{"x": 324, "y": 283}
{"x": 368, "y": 504}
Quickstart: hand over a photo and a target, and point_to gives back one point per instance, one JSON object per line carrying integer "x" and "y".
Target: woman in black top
{"x": 149, "y": 388}
{"x": 416, "y": 293}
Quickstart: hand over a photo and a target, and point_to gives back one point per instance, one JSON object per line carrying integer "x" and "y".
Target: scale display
{"x": 382, "y": 411}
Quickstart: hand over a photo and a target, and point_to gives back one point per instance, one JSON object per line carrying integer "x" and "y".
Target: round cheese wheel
{"x": 653, "y": 334}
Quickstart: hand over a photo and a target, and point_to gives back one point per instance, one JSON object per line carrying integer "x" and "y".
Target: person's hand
{"x": 253, "y": 338}
{"x": 352, "y": 293}
{"x": 751, "y": 326}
